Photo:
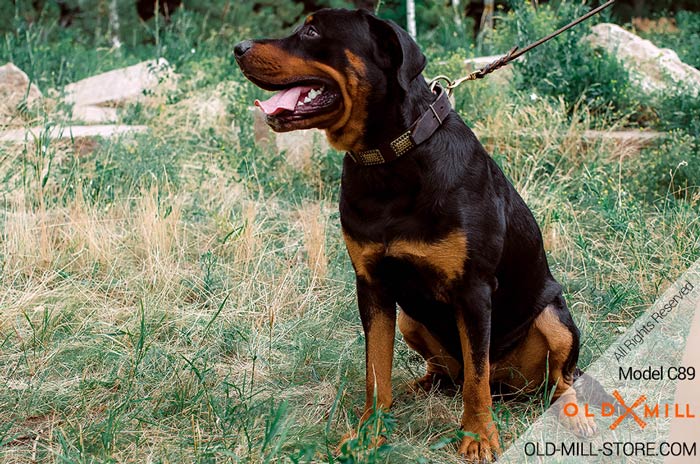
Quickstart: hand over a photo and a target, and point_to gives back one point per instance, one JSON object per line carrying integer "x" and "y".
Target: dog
{"x": 430, "y": 222}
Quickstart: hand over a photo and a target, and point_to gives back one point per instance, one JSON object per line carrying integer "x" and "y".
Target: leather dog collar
{"x": 420, "y": 131}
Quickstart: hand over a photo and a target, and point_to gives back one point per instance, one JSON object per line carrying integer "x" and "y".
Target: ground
{"x": 184, "y": 295}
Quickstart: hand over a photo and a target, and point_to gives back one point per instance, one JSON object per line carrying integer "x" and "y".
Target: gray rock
{"x": 631, "y": 137}
{"x": 57, "y": 132}
{"x": 95, "y": 98}
{"x": 204, "y": 110}
{"x": 15, "y": 91}
{"x": 481, "y": 61}
{"x": 652, "y": 68}
{"x": 94, "y": 114}
{"x": 297, "y": 145}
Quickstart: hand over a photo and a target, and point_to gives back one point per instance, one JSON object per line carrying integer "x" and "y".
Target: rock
{"x": 210, "y": 111}
{"x": 95, "y": 99}
{"x": 624, "y": 144}
{"x": 635, "y": 137}
{"x": 264, "y": 136}
{"x": 57, "y": 132}
{"x": 298, "y": 145}
{"x": 204, "y": 109}
{"x": 652, "y": 68}
{"x": 15, "y": 90}
{"x": 93, "y": 114}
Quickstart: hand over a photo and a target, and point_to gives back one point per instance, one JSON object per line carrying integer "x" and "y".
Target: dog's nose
{"x": 242, "y": 47}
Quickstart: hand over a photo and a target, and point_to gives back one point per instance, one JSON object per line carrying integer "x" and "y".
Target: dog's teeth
{"x": 307, "y": 100}
{"x": 299, "y": 103}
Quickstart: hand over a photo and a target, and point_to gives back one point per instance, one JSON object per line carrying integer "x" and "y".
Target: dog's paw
{"x": 351, "y": 435}
{"x": 477, "y": 448}
{"x": 374, "y": 442}
{"x": 428, "y": 382}
{"x": 572, "y": 415}
{"x": 579, "y": 424}
{"x": 433, "y": 380}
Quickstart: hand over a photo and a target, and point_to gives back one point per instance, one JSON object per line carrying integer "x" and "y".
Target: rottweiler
{"x": 430, "y": 222}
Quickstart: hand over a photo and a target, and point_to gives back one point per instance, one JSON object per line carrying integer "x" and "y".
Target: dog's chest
{"x": 442, "y": 260}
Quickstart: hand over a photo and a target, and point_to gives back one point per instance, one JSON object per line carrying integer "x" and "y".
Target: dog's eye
{"x": 310, "y": 33}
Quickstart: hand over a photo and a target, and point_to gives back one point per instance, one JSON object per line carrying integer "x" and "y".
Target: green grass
{"x": 185, "y": 295}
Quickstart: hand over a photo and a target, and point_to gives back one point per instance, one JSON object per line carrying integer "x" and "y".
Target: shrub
{"x": 47, "y": 52}
{"x": 670, "y": 169}
{"x": 685, "y": 41}
{"x": 567, "y": 66}
{"x": 677, "y": 110}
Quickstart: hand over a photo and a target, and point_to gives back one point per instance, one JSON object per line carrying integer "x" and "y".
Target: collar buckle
{"x": 437, "y": 116}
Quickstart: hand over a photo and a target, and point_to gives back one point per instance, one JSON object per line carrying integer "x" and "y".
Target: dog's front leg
{"x": 378, "y": 314}
{"x": 474, "y": 324}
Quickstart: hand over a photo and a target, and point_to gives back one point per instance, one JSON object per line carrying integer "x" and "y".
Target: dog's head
{"x": 330, "y": 71}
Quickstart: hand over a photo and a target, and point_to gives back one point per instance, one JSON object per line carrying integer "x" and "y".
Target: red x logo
{"x": 628, "y": 410}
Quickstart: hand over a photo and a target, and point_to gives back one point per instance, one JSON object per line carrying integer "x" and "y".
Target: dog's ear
{"x": 404, "y": 53}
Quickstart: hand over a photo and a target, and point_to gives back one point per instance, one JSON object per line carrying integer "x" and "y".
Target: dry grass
{"x": 210, "y": 315}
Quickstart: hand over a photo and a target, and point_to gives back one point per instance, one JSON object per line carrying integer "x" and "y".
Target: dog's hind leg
{"x": 548, "y": 355}
{"x": 442, "y": 369}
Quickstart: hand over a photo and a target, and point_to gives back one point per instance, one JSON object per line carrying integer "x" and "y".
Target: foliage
{"x": 677, "y": 109}
{"x": 369, "y": 445}
{"x": 685, "y": 40}
{"x": 670, "y": 170}
{"x": 207, "y": 29}
{"x": 568, "y": 65}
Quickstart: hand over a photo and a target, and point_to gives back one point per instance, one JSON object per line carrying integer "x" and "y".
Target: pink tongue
{"x": 284, "y": 100}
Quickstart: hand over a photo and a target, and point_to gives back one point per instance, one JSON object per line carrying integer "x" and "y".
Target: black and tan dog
{"x": 429, "y": 220}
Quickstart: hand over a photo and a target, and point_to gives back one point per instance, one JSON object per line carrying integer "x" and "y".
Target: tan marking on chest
{"x": 363, "y": 255}
{"x": 446, "y": 255}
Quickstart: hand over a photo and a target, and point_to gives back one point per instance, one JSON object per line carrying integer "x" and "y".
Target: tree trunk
{"x": 114, "y": 24}
{"x": 457, "y": 12}
{"x": 487, "y": 16}
{"x": 411, "y": 18}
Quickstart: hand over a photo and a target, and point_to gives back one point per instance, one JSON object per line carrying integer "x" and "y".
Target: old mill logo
{"x": 639, "y": 410}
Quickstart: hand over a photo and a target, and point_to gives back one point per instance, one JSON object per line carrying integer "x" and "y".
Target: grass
{"x": 185, "y": 296}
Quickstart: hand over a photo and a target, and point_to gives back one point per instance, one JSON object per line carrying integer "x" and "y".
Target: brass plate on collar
{"x": 402, "y": 143}
{"x": 371, "y": 157}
